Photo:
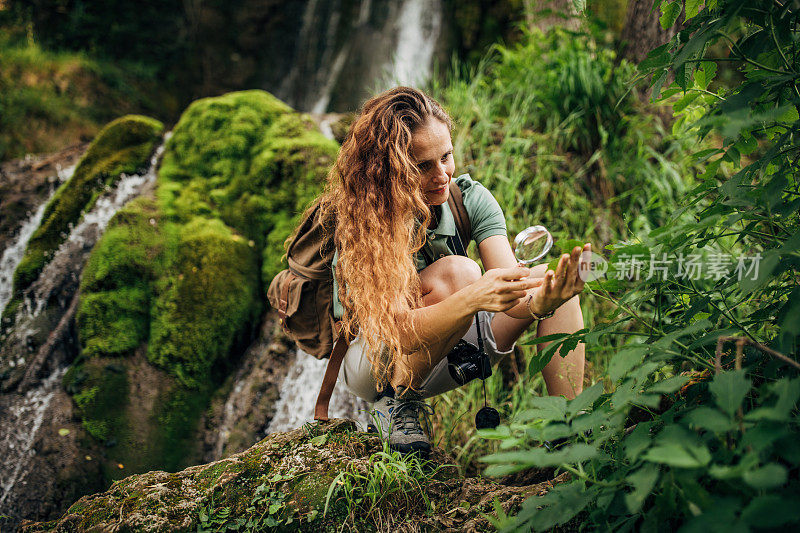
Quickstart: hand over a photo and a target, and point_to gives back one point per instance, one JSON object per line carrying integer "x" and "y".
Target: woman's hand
{"x": 500, "y": 289}
{"x": 561, "y": 285}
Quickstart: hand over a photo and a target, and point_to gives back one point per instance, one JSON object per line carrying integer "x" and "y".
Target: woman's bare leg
{"x": 562, "y": 375}
{"x": 438, "y": 281}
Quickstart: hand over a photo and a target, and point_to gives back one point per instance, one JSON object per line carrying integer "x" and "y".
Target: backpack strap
{"x": 456, "y": 203}
{"x": 331, "y": 374}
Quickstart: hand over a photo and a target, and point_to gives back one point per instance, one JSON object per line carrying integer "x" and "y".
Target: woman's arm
{"x": 498, "y": 290}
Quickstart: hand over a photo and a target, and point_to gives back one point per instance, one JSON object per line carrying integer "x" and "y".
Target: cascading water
{"x": 25, "y": 416}
{"x": 418, "y": 26}
{"x": 343, "y": 56}
{"x": 39, "y": 370}
{"x": 14, "y": 253}
{"x": 299, "y": 394}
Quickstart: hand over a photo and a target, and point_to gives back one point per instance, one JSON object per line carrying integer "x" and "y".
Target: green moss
{"x": 247, "y": 159}
{"x": 174, "y": 433}
{"x": 114, "y": 313}
{"x": 123, "y": 146}
{"x": 113, "y": 322}
{"x": 206, "y": 303}
{"x": 182, "y": 273}
{"x": 100, "y": 391}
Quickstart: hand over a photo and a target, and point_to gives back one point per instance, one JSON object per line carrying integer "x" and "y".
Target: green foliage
{"x": 680, "y": 434}
{"x": 549, "y": 126}
{"x": 123, "y": 146}
{"x": 49, "y": 100}
{"x": 207, "y": 299}
{"x": 392, "y": 483}
{"x": 270, "y": 509}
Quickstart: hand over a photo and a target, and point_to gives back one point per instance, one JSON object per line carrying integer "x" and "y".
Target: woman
{"x": 397, "y": 282}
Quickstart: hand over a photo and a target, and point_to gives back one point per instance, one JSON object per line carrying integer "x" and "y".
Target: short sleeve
{"x": 485, "y": 214}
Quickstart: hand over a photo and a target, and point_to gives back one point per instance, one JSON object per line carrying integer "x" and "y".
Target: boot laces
{"x": 406, "y": 415}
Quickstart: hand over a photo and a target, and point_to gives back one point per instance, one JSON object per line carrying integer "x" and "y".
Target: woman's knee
{"x": 448, "y": 275}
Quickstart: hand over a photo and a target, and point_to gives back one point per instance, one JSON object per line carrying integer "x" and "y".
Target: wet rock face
{"x": 26, "y": 183}
{"x": 155, "y": 300}
{"x": 64, "y": 463}
{"x": 283, "y": 481}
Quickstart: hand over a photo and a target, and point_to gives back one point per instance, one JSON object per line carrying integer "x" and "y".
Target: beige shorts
{"x": 356, "y": 372}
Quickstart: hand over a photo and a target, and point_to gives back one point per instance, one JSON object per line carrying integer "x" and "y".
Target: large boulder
{"x": 319, "y": 477}
{"x": 174, "y": 291}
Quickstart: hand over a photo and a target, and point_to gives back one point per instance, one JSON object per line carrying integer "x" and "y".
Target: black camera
{"x": 466, "y": 362}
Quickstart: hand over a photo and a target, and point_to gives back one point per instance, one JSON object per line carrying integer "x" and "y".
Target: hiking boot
{"x": 398, "y": 421}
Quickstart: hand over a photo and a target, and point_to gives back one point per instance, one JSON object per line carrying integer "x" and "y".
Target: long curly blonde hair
{"x": 374, "y": 195}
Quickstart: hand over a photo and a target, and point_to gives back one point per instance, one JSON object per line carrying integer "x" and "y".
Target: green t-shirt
{"x": 485, "y": 217}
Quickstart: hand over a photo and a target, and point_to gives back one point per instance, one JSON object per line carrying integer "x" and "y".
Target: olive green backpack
{"x": 303, "y": 293}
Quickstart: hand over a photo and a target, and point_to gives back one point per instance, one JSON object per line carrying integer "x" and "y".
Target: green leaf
{"x": 692, "y": 8}
{"x": 508, "y": 462}
{"x": 771, "y": 511}
{"x": 585, "y": 399}
{"x": 679, "y": 456}
{"x": 687, "y": 99}
{"x": 637, "y": 442}
{"x": 669, "y": 14}
{"x": 669, "y": 385}
{"x": 572, "y": 500}
{"x": 769, "y": 476}
{"x": 729, "y": 389}
{"x": 642, "y": 481}
{"x": 547, "y": 408}
{"x": 625, "y": 359}
{"x": 710, "y": 419}
{"x": 320, "y": 440}
{"x": 545, "y": 338}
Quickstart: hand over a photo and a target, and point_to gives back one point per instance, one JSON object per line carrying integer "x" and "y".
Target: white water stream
{"x": 88, "y": 231}
{"x": 21, "y": 415}
{"x": 21, "y": 423}
{"x": 13, "y": 254}
{"x": 418, "y": 26}
{"x": 299, "y": 394}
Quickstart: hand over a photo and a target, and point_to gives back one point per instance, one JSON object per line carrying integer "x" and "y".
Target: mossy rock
{"x": 99, "y": 388}
{"x": 145, "y": 418}
{"x": 282, "y": 484}
{"x": 113, "y": 318}
{"x": 205, "y": 305}
{"x": 180, "y": 276}
{"x": 122, "y": 146}
{"x": 249, "y": 160}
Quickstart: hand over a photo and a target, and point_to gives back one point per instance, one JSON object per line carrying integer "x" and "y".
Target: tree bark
{"x": 642, "y": 31}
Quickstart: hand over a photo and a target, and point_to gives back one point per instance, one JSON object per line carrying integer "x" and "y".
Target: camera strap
{"x": 458, "y": 246}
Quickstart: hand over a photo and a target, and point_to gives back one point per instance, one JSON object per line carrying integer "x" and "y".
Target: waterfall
{"x": 14, "y": 253}
{"x": 418, "y": 26}
{"x": 299, "y": 394}
{"x": 342, "y": 57}
{"x": 22, "y": 420}
{"x": 83, "y": 237}
{"x": 39, "y": 366}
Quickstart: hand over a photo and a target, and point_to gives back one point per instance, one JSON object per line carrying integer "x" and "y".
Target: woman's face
{"x": 432, "y": 151}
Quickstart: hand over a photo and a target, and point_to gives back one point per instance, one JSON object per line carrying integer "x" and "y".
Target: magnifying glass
{"x": 531, "y": 244}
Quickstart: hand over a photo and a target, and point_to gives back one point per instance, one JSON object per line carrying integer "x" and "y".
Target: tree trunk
{"x": 642, "y": 31}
